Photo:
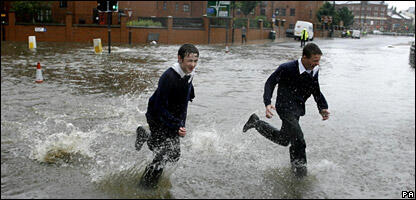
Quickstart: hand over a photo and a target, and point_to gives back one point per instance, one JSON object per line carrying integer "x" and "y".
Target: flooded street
{"x": 72, "y": 136}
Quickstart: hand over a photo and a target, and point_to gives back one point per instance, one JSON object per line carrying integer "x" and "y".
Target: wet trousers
{"x": 166, "y": 146}
{"x": 290, "y": 132}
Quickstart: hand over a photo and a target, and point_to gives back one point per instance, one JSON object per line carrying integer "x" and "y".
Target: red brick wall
{"x": 22, "y": 33}
{"x": 120, "y": 34}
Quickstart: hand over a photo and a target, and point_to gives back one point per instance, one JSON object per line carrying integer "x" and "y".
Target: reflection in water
{"x": 284, "y": 185}
{"x": 124, "y": 184}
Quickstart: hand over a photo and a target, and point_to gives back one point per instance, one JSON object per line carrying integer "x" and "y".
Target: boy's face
{"x": 311, "y": 62}
{"x": 188, "y": 63}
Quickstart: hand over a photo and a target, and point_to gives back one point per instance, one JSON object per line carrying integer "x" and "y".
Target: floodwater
{"x": 72, "y": 135}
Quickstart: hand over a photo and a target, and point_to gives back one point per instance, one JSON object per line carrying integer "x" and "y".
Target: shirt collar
{"x": 303, "y": 69}
{"x": 181, "y": 73}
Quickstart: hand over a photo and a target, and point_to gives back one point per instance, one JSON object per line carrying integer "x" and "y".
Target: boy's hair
{"x": 186, "y": 49}
{"x": 311, "y": 49}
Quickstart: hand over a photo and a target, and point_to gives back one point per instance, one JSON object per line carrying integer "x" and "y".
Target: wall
{"x": 85, "y": 33}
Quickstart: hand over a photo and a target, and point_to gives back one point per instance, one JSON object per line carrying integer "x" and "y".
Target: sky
{"x": 401, "y": 5}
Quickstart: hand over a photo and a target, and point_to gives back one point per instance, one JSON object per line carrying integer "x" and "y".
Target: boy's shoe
{"x": 141, "y": 137}
{"x": 251, "y": 123}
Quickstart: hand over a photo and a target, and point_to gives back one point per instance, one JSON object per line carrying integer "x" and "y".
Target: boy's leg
{"x": 298, "y": 145}
{"x": 167, "y": 150}
{"x": 267, "y": 130}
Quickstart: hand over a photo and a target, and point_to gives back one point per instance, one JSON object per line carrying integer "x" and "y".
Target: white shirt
{"x": 303, "y": 69}
{"x": 181, "y": 73}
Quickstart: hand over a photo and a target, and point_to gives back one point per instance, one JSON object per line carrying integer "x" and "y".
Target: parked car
{"x": 300, "y": 25}
{"x": 289, "y": 33}
{"x": 355, "y": 34}
{"x": 377, "y": 32}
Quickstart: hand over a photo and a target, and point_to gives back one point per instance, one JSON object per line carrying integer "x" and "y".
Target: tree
{"x": 28, "y": 9}
{"x": 327, "y": 10}
{"x": 246, "y": 6}
{"x": 346, "y": 16}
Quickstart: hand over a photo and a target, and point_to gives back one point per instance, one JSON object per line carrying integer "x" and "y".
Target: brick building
{"x": 85, "y": 12}
{"x": 368, "y": 15}
{"x": 397, "y": 22}
{"x": 76, "y": 17}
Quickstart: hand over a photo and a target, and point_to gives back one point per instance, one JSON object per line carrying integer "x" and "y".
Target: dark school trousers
{"x": 290, "y": 132}
{"x": 166, "y": 146}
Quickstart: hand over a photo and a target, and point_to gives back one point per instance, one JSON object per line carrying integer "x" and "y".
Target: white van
{"x": 356, "y": 34}
{"x": 299, "y": 27}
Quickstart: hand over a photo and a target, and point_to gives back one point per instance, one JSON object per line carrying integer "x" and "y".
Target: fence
{"x": 205, "y": 30}
{"x": 196, "y": 23}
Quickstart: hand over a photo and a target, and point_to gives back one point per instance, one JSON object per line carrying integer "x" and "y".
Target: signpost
{"x": 218, "y": 8}
{"x": 108, "y": 7}
{"x": 40, "y": 29}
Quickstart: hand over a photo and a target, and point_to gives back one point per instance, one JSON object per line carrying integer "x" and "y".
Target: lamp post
{"x": 130, "y": 12}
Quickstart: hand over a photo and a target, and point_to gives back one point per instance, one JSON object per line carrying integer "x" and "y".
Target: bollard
{"x": 32, "y": 42}
{"x": 226, "y": 49}
{"x": 39, "y": 77}
{"x": 97, "y": 46}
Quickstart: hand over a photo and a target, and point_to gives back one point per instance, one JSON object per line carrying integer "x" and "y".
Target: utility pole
{"x": 333, "y": 17}
{"x": 109, "y": 26}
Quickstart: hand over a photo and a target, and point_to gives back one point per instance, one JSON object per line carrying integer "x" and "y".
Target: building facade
{"x": 398, "y": 22}
{"x": 368, "y": 15}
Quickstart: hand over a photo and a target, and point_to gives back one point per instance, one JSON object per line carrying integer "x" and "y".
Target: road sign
{"x": 218, "y": 8}
{"x": 40, "y": 29}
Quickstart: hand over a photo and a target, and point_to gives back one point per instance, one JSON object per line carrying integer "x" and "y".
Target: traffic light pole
{"x": 109, "y": 26}
{"x": 109, "y": 32}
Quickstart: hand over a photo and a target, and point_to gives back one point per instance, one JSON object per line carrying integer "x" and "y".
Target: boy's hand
{"x": 325, "y": 114}
{"x": 269, "y": 113}
{"x": 182, "y": 131}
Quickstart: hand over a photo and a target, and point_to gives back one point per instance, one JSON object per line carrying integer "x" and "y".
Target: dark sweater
{"x": 293, "y": 90}
{"x": 169, "y": 103}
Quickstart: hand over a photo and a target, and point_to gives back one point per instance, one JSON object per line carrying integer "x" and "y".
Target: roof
{"x": 359, "y": 2}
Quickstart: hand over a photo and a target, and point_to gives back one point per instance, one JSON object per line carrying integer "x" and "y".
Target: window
{"x": 44, "y": 15}
{"x": 165, "y": 5}
{"x": 283, "y": 12}
{"x": 292, "y": 12}
{"x": 185, "y": 8}
{"x": 263, "y": 11}
{"x": 48, "y": 14}
{"x": 276, "y": 12}
{"x": 310, "y": 14}
{"x": 176, "y": 7}
{"x": 291, "y": 26}
{"x": 63, "y": 4}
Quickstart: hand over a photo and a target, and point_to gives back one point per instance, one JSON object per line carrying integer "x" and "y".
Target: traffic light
{"x": 102, "y": 6}
{"x": 113, "y": 6}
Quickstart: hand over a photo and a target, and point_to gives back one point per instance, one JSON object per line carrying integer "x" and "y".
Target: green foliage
{"x": 326, "y": 10}
{"x": 240, "y": 22}
{"x": 29, "y": 8}
{"x": 144, "y": 23}
{"x": 266, "y": 23}
{"x": 346, "y": 16}
{"x": 246, "y": 6}
{"x": 342, "y": 14}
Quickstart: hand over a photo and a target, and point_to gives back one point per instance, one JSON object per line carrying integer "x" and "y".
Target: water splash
{"x": 64, "y": 147}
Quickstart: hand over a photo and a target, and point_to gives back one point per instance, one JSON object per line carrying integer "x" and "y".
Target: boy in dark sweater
{"x": 166, "y": 114}
{"x": 297, "y": 80}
